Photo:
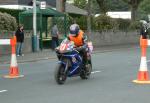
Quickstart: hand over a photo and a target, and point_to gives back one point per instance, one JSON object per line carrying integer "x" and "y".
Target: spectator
{"x": 20, "y": 39}
{"x": 144, "y": 29}
{"x": 55, "y": 36}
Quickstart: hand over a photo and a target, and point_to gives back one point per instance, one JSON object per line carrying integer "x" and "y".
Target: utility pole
{"x": 89, "y": 17}
{"x": 34, "y": 17}
{"x": 34, "y": 37}
{"x": 61, "y": 7}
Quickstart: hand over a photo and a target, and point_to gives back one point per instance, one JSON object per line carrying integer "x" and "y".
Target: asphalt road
{"x": 110, "y": 82}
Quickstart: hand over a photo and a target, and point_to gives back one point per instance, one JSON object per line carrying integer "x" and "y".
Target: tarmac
{"x": 46, "y": 54}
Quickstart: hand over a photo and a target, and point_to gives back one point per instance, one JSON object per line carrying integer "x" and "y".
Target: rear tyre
{"x": 60, "y": 75}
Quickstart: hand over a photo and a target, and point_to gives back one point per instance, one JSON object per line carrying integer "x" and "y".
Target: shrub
{"x": 123, "y": 24}
{"x": 13, "y": 12}
{"x": 7, "y": 22}
{"x": 104, "y": 22}
{"x": 135, "y": 25}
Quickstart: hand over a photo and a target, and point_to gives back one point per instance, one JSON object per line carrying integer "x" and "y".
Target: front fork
{"x": 65, "y": 64}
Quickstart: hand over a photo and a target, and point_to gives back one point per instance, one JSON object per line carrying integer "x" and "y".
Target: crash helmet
{"x": 74, "y": 29}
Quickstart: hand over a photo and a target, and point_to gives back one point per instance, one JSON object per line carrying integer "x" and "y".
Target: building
{"x": 122, "y": 14}
{"x": 25, "y": 4}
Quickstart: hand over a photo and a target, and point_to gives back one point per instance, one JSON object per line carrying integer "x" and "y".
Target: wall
{"x": 98, "y": 39}
{"x": 114, "y": 38}
{"x": 6, "y": 49}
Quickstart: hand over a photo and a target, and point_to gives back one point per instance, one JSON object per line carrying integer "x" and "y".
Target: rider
{"x": 79, "y": 38}
{"x": 144, "y": 29}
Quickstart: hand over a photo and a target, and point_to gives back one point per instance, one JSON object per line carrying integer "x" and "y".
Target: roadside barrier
{"x": 14, "y": 70}
{"x": 143, "y": 74}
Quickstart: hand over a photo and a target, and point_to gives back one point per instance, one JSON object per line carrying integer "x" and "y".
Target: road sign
{"x": 43, "y": 5}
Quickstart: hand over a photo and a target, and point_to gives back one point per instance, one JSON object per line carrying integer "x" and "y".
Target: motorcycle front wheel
{"x": 60, "y": 75}
{"x": 85, "y": 74}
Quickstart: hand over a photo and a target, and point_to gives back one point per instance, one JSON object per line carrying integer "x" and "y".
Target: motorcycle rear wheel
{"x": 60, "y": 75}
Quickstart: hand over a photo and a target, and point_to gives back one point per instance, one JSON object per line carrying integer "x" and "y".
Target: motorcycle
{"x": 70, "y": 62}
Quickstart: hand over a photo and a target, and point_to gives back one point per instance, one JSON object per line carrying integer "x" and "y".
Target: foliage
{"x": 82, "y": 21}
{"x": 123, "y": 24}
{"x": 103, "y": 6}
{"x": 117, "y": 5}
{"x": 109, "y": 5}
{"x": 7, "y": 22}
{"x": 94, "y": 7}
{"x": 134, "y": 6}
{"x": 14, "y": 13}
{"x": 136, "y": 25}
{"x": 80, "y": 3}
{"x": 145, "y": 7}
{"x": 104, "y": 22}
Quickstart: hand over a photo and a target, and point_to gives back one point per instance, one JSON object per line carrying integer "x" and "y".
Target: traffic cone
{"x": 14, "y": 70}
{"x": 143, "y": 74}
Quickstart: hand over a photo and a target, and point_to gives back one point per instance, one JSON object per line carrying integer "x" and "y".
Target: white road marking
{"x": 95, "y": 72}
{"x": 1, "y": 91}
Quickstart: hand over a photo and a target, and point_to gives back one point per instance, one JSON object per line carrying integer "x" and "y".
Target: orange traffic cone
{"x": 143, "y": 75}
{"x": 14, "y": 70}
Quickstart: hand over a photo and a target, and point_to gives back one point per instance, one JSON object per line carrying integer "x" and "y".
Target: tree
{"x": 117, "y": 5}
{"x": 145, "y": 6}
{"x": 63, "y": 5}
{"x": 80, "y": 3}
{"x": 103, "y": 6}
{"x": 112, "y": 5}
{"x": 134, "y": 6}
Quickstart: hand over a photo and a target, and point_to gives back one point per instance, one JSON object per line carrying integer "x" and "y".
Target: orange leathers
{"x": 78, "y": 40}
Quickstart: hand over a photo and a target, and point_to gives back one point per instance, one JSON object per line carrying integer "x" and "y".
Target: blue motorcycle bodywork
{"x": 76, "y": 62}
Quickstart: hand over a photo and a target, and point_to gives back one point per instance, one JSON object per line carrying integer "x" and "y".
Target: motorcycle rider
{"x": 79, "y": 38}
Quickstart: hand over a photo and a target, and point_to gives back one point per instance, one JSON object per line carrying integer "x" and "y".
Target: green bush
{"x": 104, "y": 22}
{"x": 123, "y": 24}
{"x": 80, "y": 20}
{"x": 7, "y": 22}
{"x": 13, "y": 12}
{"x": 136, "y": 25}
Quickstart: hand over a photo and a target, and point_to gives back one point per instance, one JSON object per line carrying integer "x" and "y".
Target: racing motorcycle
{"x": 70, "y": 62}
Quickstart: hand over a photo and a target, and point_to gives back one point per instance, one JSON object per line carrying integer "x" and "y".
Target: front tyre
{"x": 60, "y": 75}
{"x": 85, "y": 74}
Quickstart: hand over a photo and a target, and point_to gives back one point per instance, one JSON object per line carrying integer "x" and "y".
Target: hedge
{"x": 13, "y": 12}
{"x": 7, "y": 22}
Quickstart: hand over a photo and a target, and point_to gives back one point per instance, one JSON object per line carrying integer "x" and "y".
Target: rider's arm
{"x": 84, "y": 38}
